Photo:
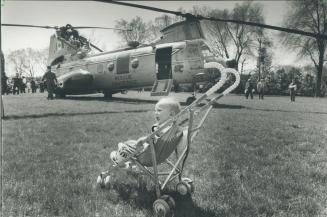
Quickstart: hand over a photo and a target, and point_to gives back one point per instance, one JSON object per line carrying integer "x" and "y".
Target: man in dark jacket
{"x": 33, "y": 86}
{"x": 17, "y": 84}
{"x": 50, "y": 81}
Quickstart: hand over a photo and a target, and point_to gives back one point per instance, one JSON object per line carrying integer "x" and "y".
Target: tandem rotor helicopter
{"x": 179, "y": 56}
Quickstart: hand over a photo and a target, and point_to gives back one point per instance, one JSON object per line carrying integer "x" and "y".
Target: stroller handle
{"x": 213, "y": 89}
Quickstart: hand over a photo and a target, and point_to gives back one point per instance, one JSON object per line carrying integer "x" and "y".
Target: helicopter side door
{"x": 164, "y": 76}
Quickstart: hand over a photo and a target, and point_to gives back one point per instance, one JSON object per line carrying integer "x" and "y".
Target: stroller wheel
{"x": 163, "y": 206}
{"x": 182, "y": 188}
{"x": 103, "y": 181}
{"x": 189, "y": 183}
{"x": 185, "y": 186}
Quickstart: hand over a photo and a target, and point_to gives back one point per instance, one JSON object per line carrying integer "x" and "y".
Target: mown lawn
{"x": 252, "y": 158}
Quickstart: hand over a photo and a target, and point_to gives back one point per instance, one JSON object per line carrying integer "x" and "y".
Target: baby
{"x": 165, "y": 109}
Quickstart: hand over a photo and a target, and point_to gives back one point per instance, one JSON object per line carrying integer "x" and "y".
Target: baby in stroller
{"x": 165, "y": 109}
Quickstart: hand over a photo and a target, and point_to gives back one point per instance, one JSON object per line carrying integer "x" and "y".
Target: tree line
{"x": 278, "y": 80}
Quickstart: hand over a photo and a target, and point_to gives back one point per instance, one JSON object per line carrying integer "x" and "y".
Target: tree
{"x": 264, "y": 60}
{"x": 308, "y": 16}
{"x": 138, "y": 27}
{"x": 159, "y": 23}
{"x": 228, "y": 38}
{"x": 243, "y": 36}
{"x": 28, "y": 62}
{"x": 217, "y": 35}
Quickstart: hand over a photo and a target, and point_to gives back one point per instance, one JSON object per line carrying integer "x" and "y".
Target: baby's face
{"x": 162, "y": 113}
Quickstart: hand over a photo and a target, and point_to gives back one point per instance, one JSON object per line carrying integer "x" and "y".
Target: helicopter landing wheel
{"x": 190, "y": 99}
{"x": 164, "y": 206}
{"x": 59, "y": 93}
{"x": 107, "y": 94}
{"x": 184, "y": 187}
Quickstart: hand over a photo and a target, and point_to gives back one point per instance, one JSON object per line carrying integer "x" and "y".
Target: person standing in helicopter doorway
{"x": 50, "y": 81}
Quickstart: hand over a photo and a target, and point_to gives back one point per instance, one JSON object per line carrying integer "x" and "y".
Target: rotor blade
{"x": 92, "y": 45}
{"x": 295, "y": 31}
{"x": 22, "y": 25}
{"x": 141, "y": 6}
{"x": 198, "y": 17}
{"x": 96, "y": 27}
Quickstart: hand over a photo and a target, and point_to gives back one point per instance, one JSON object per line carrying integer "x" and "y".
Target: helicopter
{"x": 178, "y": 56}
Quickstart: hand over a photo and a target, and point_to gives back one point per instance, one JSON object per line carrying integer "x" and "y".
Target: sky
{"x": 92, "y": 13}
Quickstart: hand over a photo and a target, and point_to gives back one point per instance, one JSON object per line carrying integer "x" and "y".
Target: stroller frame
{"x": 164, "y": 204}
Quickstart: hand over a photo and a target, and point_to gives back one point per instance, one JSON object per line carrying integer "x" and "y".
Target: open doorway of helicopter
{"x": 163, "y": 63}
{"x": 164, "y": 74}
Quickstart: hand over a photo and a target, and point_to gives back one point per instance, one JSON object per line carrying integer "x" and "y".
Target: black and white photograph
{"x": 163, "y": 108}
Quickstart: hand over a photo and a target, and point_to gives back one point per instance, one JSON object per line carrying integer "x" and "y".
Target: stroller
{"x": 183, "y": 128}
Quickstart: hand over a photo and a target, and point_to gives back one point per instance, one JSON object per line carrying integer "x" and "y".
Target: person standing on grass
{"x": 248, "y": 89}
{"x": 292, "y": 88}
{"x": 51, "y": 81}
{"x": 261, "y": 88}
{"x": 33, "y": 86}
{"x": 22, "y": 84}
{"x": 16, "y": 87}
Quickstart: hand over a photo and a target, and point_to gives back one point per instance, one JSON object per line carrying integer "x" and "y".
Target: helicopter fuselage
{"x": 135, "y": 68}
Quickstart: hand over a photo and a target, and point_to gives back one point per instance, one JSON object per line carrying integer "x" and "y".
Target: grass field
{"x": 252, "y": 158}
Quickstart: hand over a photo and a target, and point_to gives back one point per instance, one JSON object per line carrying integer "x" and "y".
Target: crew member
{"x": 51, "y": 81}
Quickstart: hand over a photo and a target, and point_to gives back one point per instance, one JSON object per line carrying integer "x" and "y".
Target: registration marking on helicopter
{"x": 123, "y": 77}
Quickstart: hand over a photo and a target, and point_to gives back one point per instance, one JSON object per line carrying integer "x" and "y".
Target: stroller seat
{"x": 163, "y": 146}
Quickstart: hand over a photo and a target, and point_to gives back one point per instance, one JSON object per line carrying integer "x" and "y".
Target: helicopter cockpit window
{"x": 111, "y": 66}
{"x": 135, "y": 63}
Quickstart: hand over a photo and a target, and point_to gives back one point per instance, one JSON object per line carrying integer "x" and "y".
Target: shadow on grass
{"x": 288, "y": 111}
{"x": 113, "y": 99}
{"x": 117, "y": 99}
{"x": 32, "y": 116}
{"x": 218, "y": 105}
{"x": 136, "y": 191}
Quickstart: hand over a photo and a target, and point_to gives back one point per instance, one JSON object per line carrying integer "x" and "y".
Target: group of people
{"x": 18, "y": 84}
{"x": 250, "y": 89}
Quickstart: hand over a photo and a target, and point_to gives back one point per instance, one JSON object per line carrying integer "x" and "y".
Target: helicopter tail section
{"x": 184, "y": 30}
